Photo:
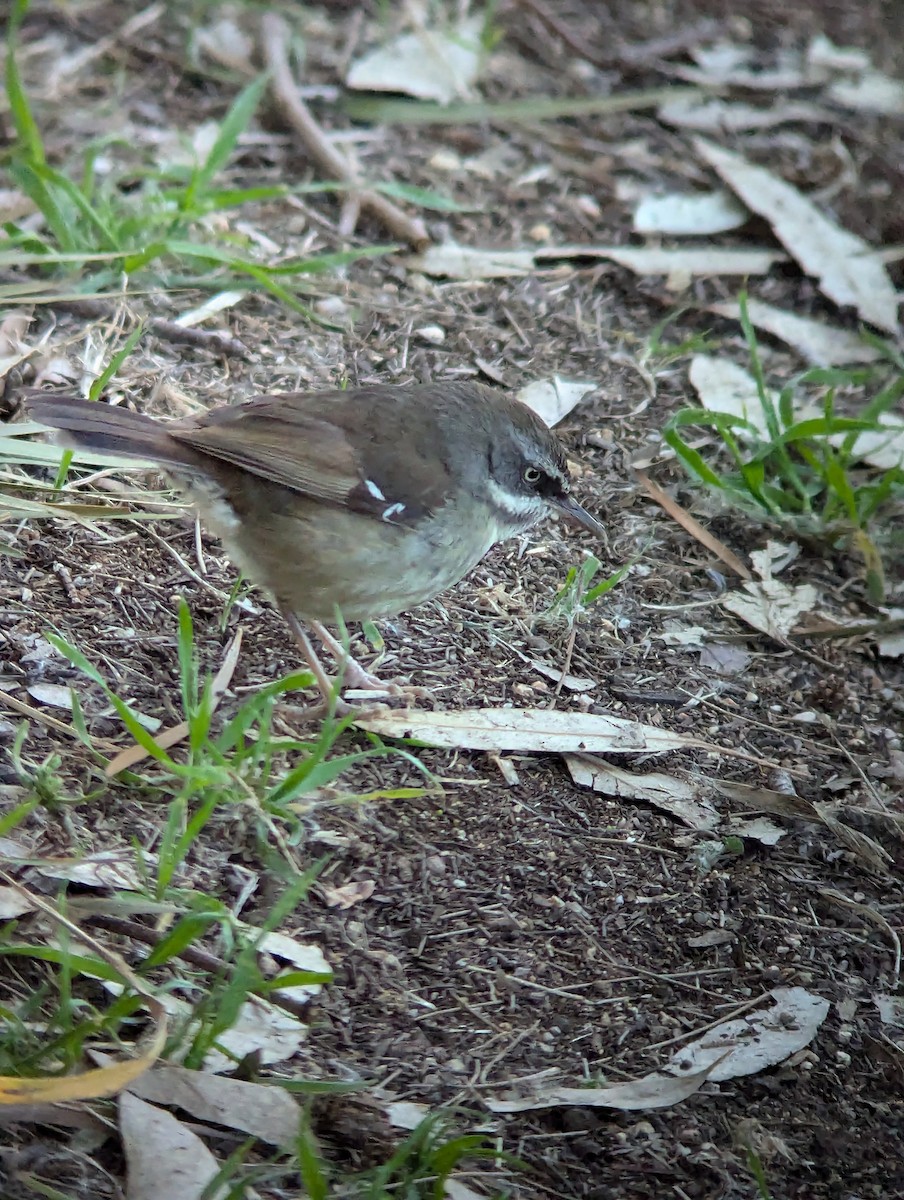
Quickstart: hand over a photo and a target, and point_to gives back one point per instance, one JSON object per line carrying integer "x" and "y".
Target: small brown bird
{"x": 370, "y": 501}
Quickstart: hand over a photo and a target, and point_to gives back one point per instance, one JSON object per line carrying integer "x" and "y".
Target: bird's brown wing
{"x": 323, "y": 446}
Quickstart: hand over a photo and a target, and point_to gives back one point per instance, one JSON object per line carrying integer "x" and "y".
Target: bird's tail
{"x": 90, "y": 425}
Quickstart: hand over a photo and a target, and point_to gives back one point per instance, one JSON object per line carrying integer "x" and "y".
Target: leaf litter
{"x": 674, "y": 576}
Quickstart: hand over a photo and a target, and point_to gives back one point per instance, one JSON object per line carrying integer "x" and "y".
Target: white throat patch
{"x": 514, "y": 509}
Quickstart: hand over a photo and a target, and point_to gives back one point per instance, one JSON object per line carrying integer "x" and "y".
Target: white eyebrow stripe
{"x": 393, "y": 511}
{"x": 373, "y": 489}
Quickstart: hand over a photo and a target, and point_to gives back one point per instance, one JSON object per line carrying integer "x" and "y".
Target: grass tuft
{"x": 799, "y": 463}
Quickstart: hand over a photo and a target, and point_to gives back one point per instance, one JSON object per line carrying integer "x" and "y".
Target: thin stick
{"x": 274, "y": 38}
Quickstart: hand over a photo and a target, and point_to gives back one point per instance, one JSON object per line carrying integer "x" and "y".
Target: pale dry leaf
{"x": 304, "y": 956}
{"x": 349, "y": 894}
{"x": 14, "y": 205}
{"x": 678, "y": 797}
{"x": 891, "y": 644}
{"x": 650, "y": 1091}
{"x": 455, "y": 1188}
{"x": 722, "y": 386}
{"x": 539, "y": 730}
{"x": 712, "y": 937}
{"x": 219, "y": 302}
{"x": 720, "y": 59}
{"x": 432, "y": 64}
{"x": 844, "y": 265}
{"x": 890, "y": 1008}
{"x": 696, "y": 214}
{"x": 728, "y": 63}
{"x": 453, "y": 261}
{"x": 553, "y": 399}
{"x": 873, "y": 91}
{"x": 406, "y": 1114}
{"x": 264, "y": 1111}
{"x": 771, "y": 606}
{"x": 724, "y": 116}
{"x": 756, "y": 1041}
{"x": 880, "y": 448}
{"x": 675, "y": 634}
{"x": 691, "y": 262}
{"x": 574, "y": 683}
{"x": 226, "y": 43}
{"x": 13, "y": 348}
{"x": 759, "y": 830}
{"x": 163, "y": 1156}
{"x": 271, "y": 1032}
{"x": 114, "y": 869}
{"x": 13, "y": 903}
{"x": 818, "y": 342}
{"x": 12, "y": 848}
{"x": 53, "y": 694}
{"x": 823, "y": 53}
{"x": 449, "y": 260}
{"x": 724, "y": 658}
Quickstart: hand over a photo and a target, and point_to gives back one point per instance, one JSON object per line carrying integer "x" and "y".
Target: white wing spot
{"x": 393, "y": 511}
{"x": 373, "y": 489}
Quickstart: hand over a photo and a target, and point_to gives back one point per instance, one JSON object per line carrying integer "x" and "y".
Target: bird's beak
{"x": 573, "y": 512}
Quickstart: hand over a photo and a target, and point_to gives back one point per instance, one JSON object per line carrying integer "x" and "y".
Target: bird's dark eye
{"x": 532, "y": 475}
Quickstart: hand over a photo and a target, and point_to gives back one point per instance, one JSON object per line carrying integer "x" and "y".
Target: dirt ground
{"x": 524, "y": 930}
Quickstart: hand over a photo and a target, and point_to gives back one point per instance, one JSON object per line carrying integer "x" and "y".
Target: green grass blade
{"x": 61, "y": 226}
{"x": 692, "y": 459}
{"x": 535, "y": 108}
{"x": 27, "y": 132}
{"x": 234, "y": 125}
{"x": 112, "y": 368}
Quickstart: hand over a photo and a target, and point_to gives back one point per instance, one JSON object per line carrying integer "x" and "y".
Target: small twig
{"x": 167, "y": 331}
{"x": 274, "y": 37}
{"x": 191, "y": 335}
{"x": 43, "y": 718}
{"x": 683, "y": 518}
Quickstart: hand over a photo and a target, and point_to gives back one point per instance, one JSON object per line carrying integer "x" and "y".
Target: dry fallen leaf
{"x": 53, "y": 694}
{"x": 262, "y": 1028}
{"x": 650, "y": 1091}
{"x": 163, "y": 1156}
{"x": 756, "y": 1041}
{"x": 304, "y": 956}
{"x": 553, "y": 399}
{"x": 262, "y": 1110}
{"x": 820, "y": 343}
{"x": 768, "y": 604}
{"x": 432, "y": 64}
{"x": 113, "y": 869}
{"x": 723, "y": 386}
{"x": 226, "y": 43}
{"x": 449, "y": 260}
{"x": 13, "y": 903}
{"x": 452, "y": 261}
{"x": 348, "y": 894}
{"x": 679, "y": 797}
{"x": 871, "y": 92}
{"x": 845, "y": 266}
{"x": 697, "y": 214}
{"x": 656, "y": 260}
{"x": 710, "y": 115}
{"x": 542, "y": 730}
